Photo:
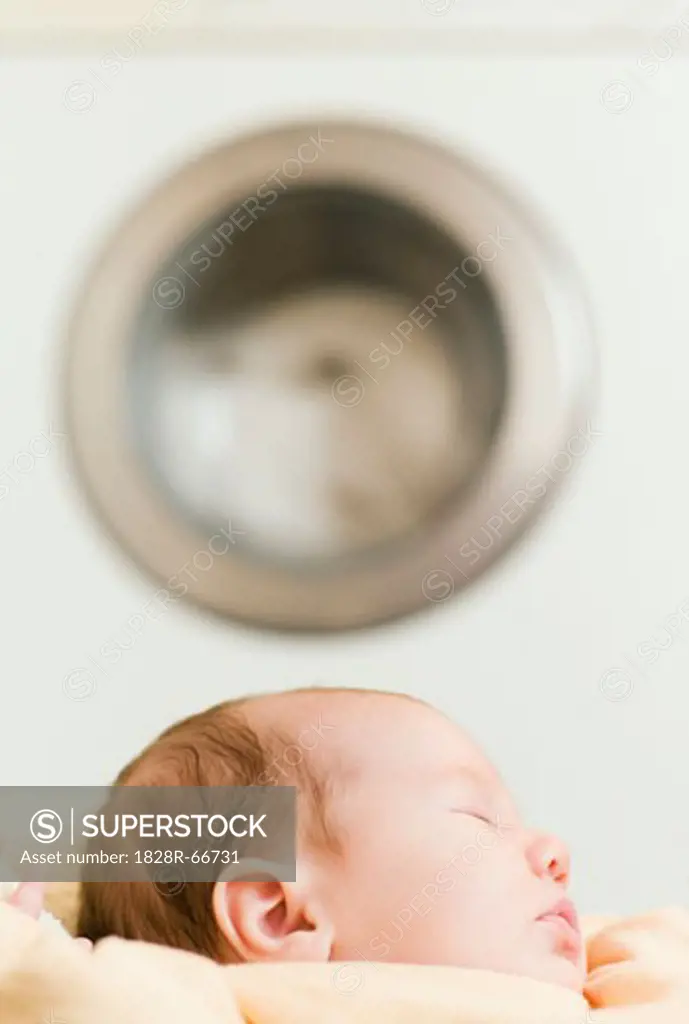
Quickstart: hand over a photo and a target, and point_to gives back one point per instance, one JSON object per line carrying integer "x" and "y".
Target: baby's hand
{"x": 640, "y": 960}
{"x": 28, "y": 897}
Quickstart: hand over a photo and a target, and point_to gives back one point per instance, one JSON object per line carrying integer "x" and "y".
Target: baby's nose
{"x": 549, "y": 858}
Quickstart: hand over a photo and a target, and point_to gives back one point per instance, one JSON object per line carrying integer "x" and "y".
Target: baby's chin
{"x": 558, "y": 970}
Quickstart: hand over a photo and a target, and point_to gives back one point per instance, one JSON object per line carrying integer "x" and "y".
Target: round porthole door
{"x": 311, "y": 366}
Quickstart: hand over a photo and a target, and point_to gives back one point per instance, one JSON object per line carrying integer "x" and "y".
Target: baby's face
{"x": 438, "y": 867}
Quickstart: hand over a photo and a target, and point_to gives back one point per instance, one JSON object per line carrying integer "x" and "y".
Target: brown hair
{"x": 216, "y": 747}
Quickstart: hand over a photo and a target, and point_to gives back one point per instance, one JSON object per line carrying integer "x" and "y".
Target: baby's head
{"x": 410, "y": 848}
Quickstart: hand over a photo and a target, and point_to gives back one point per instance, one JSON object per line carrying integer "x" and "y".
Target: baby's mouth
{"x": 563, "y": 920}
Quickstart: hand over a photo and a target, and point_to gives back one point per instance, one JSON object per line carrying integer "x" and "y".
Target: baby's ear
{"x": 271, "y": 920}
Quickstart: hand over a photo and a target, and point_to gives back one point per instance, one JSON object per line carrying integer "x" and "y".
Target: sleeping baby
{"x": 410, "y": 848}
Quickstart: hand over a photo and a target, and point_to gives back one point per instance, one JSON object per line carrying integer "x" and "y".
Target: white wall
{"x": 519, "y": 660}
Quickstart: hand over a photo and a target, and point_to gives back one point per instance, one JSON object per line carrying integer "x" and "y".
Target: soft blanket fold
{"x": 639, "y": 975}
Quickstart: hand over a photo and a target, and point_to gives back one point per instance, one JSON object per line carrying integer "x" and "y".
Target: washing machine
{"x": 536, "y": 146}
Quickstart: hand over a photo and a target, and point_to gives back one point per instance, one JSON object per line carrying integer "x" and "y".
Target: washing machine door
{"x": 320, "y": 376}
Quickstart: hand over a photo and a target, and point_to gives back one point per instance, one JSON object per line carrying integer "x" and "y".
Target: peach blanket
{"x": 639, "y": 974}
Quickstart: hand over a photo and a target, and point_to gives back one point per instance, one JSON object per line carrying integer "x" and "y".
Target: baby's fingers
{"x": 28, "y": 897}
{"x": 639, "y": 960}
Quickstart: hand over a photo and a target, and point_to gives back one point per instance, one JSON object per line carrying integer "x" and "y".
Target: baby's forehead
{"x": 374, "y": 735}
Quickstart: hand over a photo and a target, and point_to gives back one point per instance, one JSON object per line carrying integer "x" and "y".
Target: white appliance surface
{"x": 559, "y": 660}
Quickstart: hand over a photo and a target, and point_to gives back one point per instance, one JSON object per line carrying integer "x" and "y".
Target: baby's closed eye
{"x": 473, "y": 813}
